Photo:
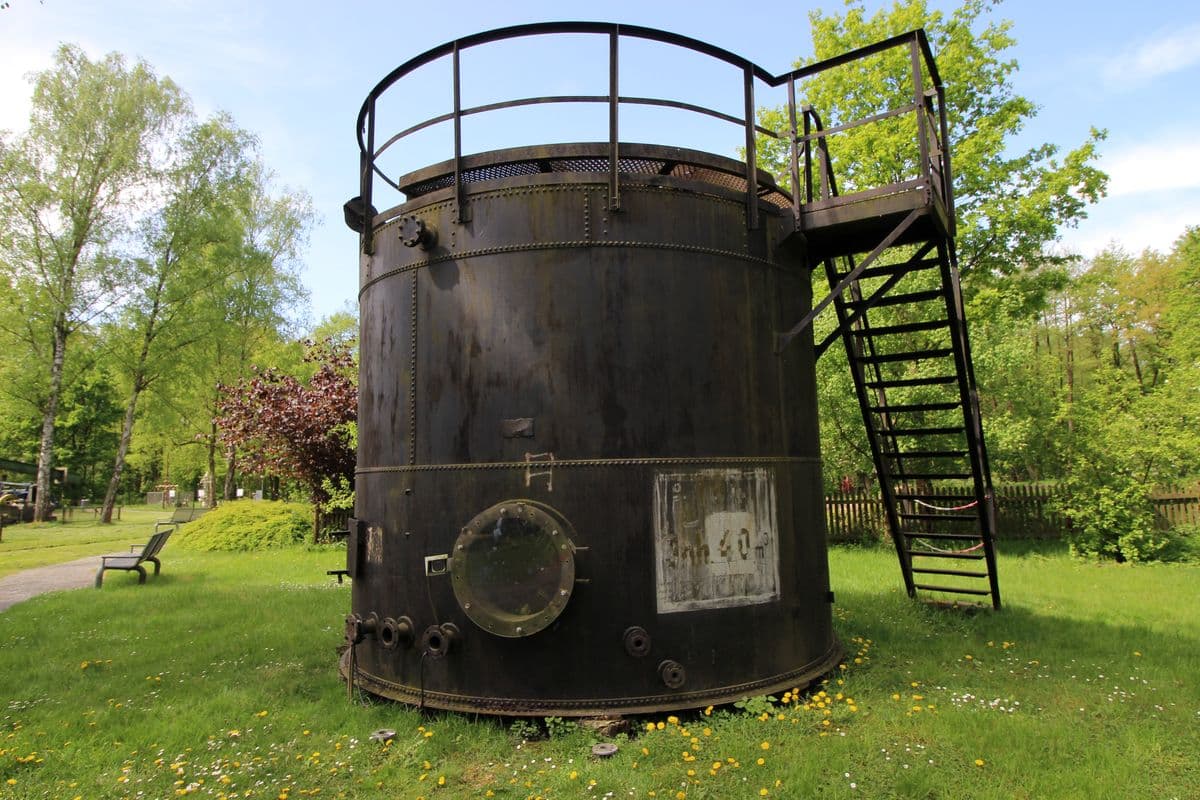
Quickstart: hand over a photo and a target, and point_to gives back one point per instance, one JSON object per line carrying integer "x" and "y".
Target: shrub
{"x": 248, "y": 525}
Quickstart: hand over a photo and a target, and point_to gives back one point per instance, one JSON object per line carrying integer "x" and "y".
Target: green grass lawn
{"x": 30, "y": 545}
{"x": 217, "y": 679}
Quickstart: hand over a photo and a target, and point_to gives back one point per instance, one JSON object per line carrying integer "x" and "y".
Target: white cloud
{"x": 1153, "y": 166}
{"x": 1133, "y": 226}
{"x": 1168, "y": 51}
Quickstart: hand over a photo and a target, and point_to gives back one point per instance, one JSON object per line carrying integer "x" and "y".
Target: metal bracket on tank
{"x": 437, "y": 565}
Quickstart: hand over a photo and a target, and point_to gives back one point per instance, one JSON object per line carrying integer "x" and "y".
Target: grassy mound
{"x": 247, "y": 525}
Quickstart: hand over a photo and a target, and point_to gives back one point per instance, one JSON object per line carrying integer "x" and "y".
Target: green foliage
{"x": 559, "y": 728}
{"x": 247, "y": 525}
{"x": 207, "y": 691}
{"x": 524, "y": 730}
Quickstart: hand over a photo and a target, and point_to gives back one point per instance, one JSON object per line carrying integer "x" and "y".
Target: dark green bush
{"x": 248, "y": 525}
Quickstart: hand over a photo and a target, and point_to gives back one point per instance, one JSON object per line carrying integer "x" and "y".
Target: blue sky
{"x": 296, "y": 73}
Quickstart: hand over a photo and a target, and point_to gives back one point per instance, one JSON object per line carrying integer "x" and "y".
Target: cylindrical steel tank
{"x": 587, "y": 482}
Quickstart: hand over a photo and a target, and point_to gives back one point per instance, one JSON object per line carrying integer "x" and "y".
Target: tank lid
{"x": 592, "y": 157}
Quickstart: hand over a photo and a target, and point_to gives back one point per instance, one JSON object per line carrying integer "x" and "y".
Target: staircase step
{"x": 951, "y": 589}
{"x": 907, "y": 327}
{"x": 933, "y": 476}
{"x": 892, "y": 269}
{"x": 971, "y": 535}
{"x": 916, "y": 407}
{"x": 965, "y": 556}
{"x": 961, "y": 573}
{"x": 937, "y": 380}
{"x": 913, "y": 355}
{"x": 939, "y": 517}
{"x": 946, "y": 431}
{"x": 928, "y": 454}
{"x": 908, "y": 298}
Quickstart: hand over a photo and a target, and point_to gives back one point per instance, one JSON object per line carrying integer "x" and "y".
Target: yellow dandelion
{"x": 979, "y": 762}
{"x": 649, "y": 726}
{"x": 660, "y": 726}
{"x": 674, "y": 720}
{"x": 574, "y": 774}
{"x": 765, "y": 745}
{"x": 763, "y": 792}
{"x": 441, "y": 780}
{"x": 761, "y": 761}
{"x": 262, "y": 713}
{"x": 645, "y": 751}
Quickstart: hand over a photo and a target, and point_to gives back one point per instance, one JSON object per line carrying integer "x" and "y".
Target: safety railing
{"x": 928, "y": 108}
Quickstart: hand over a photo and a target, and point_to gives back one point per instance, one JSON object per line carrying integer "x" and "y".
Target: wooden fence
{"x": 1023, "y": 511}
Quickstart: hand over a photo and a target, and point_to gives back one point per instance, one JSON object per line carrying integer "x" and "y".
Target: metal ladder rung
{"x": 972, "y": 537}
{"x": 946, "y": 431}
{"x": 951, "y": 589}
{"x": 892, "y": 269}
{"x": 910, "y": 298}
{"x": 940, "y": 517}
{"x": 928, "y": 454}
{"x": 935, "y": 476}
{"x": 937, "y": 380}
{"x": 913, "y": 355}
{"x": 960, "y": 573}
{"x": 964, "y": 556}
{"x": 907, "y": 327}
{"x": 946, "y": 406}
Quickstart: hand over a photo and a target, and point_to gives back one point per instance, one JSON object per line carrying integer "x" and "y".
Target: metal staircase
{"x": 900, "y": 319}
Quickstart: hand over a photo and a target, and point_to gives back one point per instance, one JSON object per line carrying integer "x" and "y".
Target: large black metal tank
{"x": 587, "y": 483}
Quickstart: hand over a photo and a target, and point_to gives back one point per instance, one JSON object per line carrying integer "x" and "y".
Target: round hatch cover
{"x": 513, "y": 568}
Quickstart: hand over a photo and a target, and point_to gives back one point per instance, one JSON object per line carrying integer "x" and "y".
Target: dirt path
{"x": 54, "y": 578}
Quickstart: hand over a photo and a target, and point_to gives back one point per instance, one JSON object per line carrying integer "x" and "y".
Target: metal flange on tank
{"x": 586, "y": 481}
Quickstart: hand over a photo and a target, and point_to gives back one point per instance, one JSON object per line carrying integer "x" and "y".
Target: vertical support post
{"x": 751, "y": 156}
{"x": 793, "y": 151}
{"x": 808, "y": 173}
{"x": 947, "y": 173}
{"x": 919, "y": 104}
{"x": 614, "y": 103}
{"x": 461, "y": 214}
{"x": 366, "y": 181}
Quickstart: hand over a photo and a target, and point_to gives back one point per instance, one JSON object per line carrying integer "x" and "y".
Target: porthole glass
{"x": 513, "y": 568}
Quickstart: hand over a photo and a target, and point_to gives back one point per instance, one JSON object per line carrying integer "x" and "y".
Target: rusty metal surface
{"x": 593, "y": 365}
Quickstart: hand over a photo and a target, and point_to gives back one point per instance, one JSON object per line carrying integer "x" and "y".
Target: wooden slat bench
{"x": 139, "y": 554}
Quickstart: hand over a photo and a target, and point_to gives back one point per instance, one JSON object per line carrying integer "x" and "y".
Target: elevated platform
{"x": 853, "y": 223}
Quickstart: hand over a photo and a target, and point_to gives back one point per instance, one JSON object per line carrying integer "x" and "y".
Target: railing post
{"x": 366, "y": 181}
{"x": 947, "y": 172}
{"x": 919, "y": 104}
{"x": 808, "y": 176}
{"x": 751, "y": 155}
{"x": 461, "y": 213}
{"x": 793, "y": 151}
{"x": 614, "y": 104}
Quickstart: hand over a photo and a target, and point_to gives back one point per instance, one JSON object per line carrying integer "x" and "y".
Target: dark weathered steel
{"x": 586, "y": 474}
{"x": 588, "y": 400}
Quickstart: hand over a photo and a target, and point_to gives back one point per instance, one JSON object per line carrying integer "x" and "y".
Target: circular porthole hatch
{"x": 513, "y": 568}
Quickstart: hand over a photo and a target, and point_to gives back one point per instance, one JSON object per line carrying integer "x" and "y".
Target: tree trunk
{"x": 212, "y": 462}
{"x": 114, "y": 483}
{"x": 41, "y": 510}
{"x": 230, "y": 489}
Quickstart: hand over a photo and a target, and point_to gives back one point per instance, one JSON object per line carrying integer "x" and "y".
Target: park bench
{"x": 184, "y": 514}
{"x": 139, "y": 554}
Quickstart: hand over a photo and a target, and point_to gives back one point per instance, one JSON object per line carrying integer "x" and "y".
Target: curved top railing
{"x": 932, "y": 139}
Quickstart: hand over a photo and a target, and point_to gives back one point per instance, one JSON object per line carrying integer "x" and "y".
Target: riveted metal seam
{"x": 532, "y": 246}
{"x": 412, "y": 374}
{"x": 591, "y": 463}
{"x": 645, "y": 702}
